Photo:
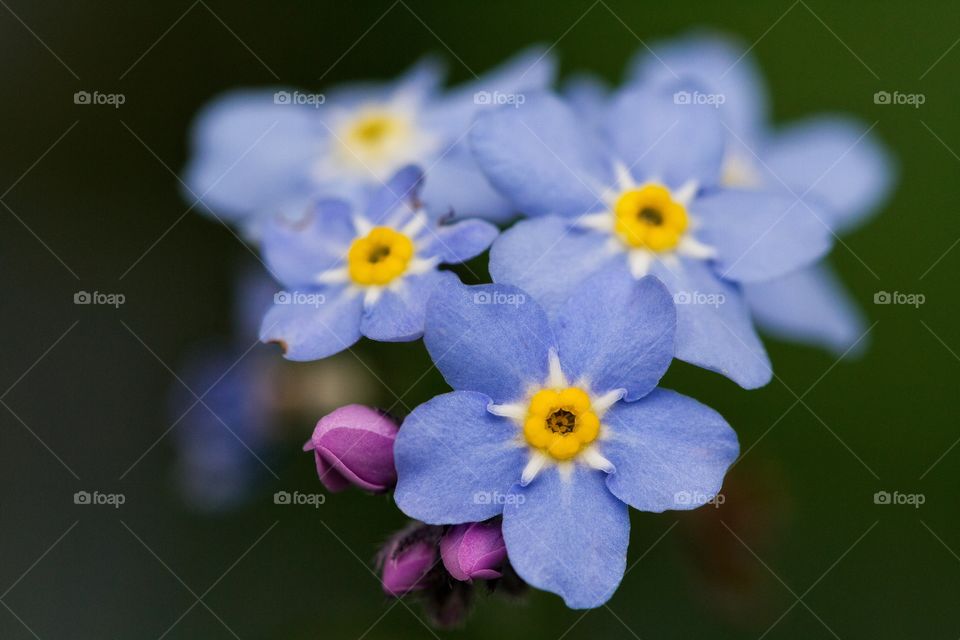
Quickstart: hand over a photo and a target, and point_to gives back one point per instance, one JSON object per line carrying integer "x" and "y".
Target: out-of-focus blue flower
{"x": 218, "y": 441}
{"x": 362, "y": 272}
{"x": 833, "y": 160}
{"x": 557, "y": 424}
{"x": 644, "y": 197}
{"x": 222, "y": 442}
{"x": 258, "y": 153}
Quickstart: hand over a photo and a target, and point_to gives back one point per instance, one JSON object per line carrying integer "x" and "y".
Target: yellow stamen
{"x": 379, "y": 257}
{"x": 650, "y": 218}
{"x": 372, "y": 130}
{"x": 560, "y": 422}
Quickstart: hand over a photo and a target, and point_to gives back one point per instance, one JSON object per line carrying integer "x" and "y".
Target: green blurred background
{"x": 800, "y": 549}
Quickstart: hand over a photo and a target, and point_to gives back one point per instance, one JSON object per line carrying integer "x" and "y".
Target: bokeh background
{"x": 91, "y": 202}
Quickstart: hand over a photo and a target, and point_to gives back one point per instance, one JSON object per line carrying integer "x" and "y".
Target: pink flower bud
{"x": 473, "y": 550}
{"x": 354, "y": 445}
{"x": 409, "y": 559}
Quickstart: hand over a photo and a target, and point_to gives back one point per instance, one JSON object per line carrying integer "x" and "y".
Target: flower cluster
{"x": 663, "y": 219}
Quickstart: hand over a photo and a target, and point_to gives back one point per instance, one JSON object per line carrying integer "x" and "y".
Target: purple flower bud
{"x": 354, "y": 445}
{"x": 473, "y": 550}
{"x": 409, "y": 559}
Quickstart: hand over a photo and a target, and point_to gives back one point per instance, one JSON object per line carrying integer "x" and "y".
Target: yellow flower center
{"x": 375, "y": 131}
{"x": 650, "y": 218}
{"x": 379, "y": 257}
{"x": 560, "y": 422}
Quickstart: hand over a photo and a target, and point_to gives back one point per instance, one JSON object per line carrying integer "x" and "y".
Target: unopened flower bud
{"x": 354, "y": 445}
{"x": 409, "y": 559}
{"x": 473, "y": 551}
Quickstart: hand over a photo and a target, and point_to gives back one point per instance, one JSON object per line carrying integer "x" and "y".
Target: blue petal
{"x": 531, "y": 69}
{"x": 617, "y": 332}
{"x": 669, "y": 451}
{"x": 588, "y": 96}
{"x": 548, "y": 259}
{"x": 251, "y": 155}
{"x": 718, "y": 61}
{"x": 809, "y": 306}
{"x": 660, "y": 137}
{"x": 423, "y": 79}
{"x": 540, "y": 157}
{"x": 456, "y": 185}
{"x": 456, "y": 461}
{"x": 311, "y": 328}
{"x": 396, "y": 198}
{"x": 399, "y": 314}
{"x": 350, "y": 95}
{"x": 418, "y": 83}
{"x": 714, "y": 330}
{"x": 839, "y": 160}
{"x": 760, "y": 236}
{"x": 460, "y": 241}
{"x": 296, "y": 252}
{"x": 568, "y": 536}
{"x": 493, "y": 338}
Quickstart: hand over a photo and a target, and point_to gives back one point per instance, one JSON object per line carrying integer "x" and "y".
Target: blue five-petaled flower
{"x": 644, "y": 197}
{"x": 556, "y": 423}
{"x": 362, "y": 272}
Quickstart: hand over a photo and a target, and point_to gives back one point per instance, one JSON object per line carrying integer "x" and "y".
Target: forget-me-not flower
{"x": 833, "y": 160}
{"x": 257, "y": 153}
{"x": 557, "y": 424}
{"x": 352, "y": 272}
{"x": 643, "y": 198}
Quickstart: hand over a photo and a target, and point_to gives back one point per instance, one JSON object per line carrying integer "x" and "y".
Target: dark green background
{"x": 802, "y": 497}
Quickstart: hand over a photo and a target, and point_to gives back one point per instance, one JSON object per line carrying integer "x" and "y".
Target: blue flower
{"x": 257, "y": 153}
{"x": 642, "y": 198}
{"x": 221, "y": 442}
{"x": 361, "y": 272}
{"x": 833, "y": 160}
{"x": 557, "y": 424}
